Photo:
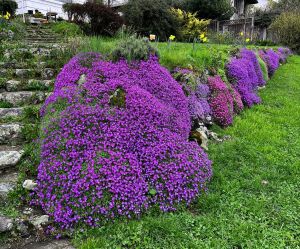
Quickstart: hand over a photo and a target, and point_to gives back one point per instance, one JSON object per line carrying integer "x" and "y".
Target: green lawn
{"x": 254, "y": 196}
{"x": 200, "y": 56}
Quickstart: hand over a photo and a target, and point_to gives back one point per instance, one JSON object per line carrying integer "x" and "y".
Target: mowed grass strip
{"x": 254, "y": 197}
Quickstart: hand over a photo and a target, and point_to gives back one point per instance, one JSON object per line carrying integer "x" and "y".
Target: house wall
{"x": 44, "y": 6}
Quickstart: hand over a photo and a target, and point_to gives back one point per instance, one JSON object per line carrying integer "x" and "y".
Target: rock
{"x": 55, "y": 244}
{"x": 6, "y": 224}
{"x": 264, "y": 182}
{"x": 200, "y": 136}
{"x": 10, "y": 158}
{"x": 81, "y": 80}
{"x": 29, "y": 184}
{"x": 48, "y": 73}
{"x": 40, "y": 220}
{"x": 22, "y": 228}
{"x": 13, "y": 85}
{"x": 19, "y": 98}
{"x": 10, "y": 112}
{"x": 28, "y": 211}
{"x": 23, "y": 73}
{"x": 10, "y": 134}
{"x": 8, "y": 181}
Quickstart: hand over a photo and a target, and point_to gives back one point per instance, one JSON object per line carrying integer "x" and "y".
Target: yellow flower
{"x": 242, "y": 34}
{"x": 152, "y": 37}
{"x": 172, "y": 37}
{"x": 202, "y": 36}
{"x": 247, "y": 40}
{"x": 205, "y": 39}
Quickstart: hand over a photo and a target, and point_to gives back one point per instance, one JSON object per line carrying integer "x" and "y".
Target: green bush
{"x": 66, "y": 28}
{"x": 134, "y": 49}
{"x": 287, "y": 29}
{"x": 264, "y": 68}
{"x": 8, "y": 6}
{"x": 150, "y": 17}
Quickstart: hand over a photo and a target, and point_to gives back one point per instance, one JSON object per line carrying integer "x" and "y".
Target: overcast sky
{"x": 262, "y": 2}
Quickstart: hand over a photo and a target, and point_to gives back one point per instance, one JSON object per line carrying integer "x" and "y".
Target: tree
{"x": 150, "y": 17}
{"x": 8, "y": 6}
{"x": 211, "y": 9}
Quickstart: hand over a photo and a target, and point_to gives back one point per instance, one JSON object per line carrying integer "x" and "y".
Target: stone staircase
{"x": 26, "y": 79}
{"x": 37, "y": 34}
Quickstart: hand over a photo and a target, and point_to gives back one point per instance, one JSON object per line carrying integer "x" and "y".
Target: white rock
{"x": 9, "y": 158}
{"x": 6, "y": 224}
{"x": 41, "y": 220}
{"x": 29, "y": 184}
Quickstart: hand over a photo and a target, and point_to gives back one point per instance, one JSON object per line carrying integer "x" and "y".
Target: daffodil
{"x": 202, "y": 36}
{"x": 242, "y": 34}
{"x": 172, "y": 37}
{"x": 205, "y": 39}
{"x": 247, "y": 40}
{"x": 152, "y": 37}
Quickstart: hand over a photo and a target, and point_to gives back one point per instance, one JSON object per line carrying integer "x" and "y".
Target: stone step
{"x": 8, "y": 181}
{"x": 11, "y": 134}
{"x": 21, "y": 98}
{"x": 27, "y": 73}
{"x": 10, "y": 156}
{"x": 32, "y": 84}
{"x": 10, "y": 112}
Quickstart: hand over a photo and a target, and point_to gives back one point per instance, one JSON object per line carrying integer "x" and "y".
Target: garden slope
{"x": 253, "y": 200}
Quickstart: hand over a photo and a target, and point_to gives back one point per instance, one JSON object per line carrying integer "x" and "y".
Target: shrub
{"x": 251, "y": 56}
{"x": 115, "y": 143}
{"x": 102, "y": 20}
{"x": 271, "y": 58}
{"x": 283, "y": 54}
{"x": 287, "y": 28}
{"x": 150, "y": 17}
{"x": 197, "y": 93}
{"x": 264, "y": 68}
{"x": 245, "y": 75}
{"x": 133, "y": 49}
{"x": 9, "y": 6}
{"x": 221, "y": 101}
{"x": 190, "y": 26}
{"x": 66, "y": 28}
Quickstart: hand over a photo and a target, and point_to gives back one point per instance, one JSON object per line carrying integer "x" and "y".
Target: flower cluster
{"x": 197, "y": 93}
{"x": 283, "y": 54}
{"x": 115, "y": 143}
{"x": 221, "y": 101}
{"x": 271, "y": 58}
{"x": 245, "y": 74}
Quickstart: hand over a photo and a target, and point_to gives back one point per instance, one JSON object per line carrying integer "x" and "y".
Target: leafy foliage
{"x": 66, "y": 28}
{"x": 150, "y": 17}
{"x": 210, "y": 9}
{"x": 102, "y": 20}
{"x": 287, "y": 29}
{"x": 190, "y": 26}
{"x": 9, "y": 6}
{"x": 134, "y": 49}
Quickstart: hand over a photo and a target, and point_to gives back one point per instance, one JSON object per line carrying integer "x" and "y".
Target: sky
{"x": 262, "y": 2}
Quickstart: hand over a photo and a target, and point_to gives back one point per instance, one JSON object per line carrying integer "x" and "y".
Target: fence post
{"x": 252, "y": 27}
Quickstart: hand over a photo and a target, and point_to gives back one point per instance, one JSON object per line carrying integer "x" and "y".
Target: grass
{"x": 253, "y": 199}
{"x": 172, "y": 55}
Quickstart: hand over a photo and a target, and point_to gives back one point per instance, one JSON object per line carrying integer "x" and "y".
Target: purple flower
{"x": 117, "y": 143}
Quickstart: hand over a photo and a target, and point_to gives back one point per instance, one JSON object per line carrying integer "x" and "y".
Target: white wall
{"x": 43, "y": 6}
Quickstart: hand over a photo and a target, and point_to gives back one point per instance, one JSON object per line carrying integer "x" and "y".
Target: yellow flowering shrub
{"x": 191, "y": 26}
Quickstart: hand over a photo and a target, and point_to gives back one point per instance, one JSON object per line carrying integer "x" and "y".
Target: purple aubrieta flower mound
{"x": 242, "y": 73}
{"x": 283, "y": 54}
{"x": 221, "y": 101}
{"x": 271, "y": 58}
{"x": 251, "y": 56}
{"x": 115, "y": 143}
